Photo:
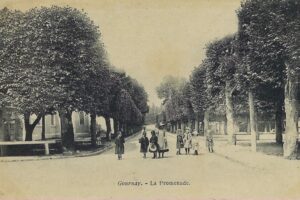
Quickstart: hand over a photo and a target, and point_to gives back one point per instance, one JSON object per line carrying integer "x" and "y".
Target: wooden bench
{"x": 12, "y": 143}
{"x": 88, "y": 140}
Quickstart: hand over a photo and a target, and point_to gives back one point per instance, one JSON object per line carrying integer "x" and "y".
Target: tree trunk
{"x": 30, "y": 127}
{"x": 265, "y": 127}
{"x": 252, "y": 117}
{"x": 93, "y": 130}
{"x": 229, "y": 114}
{"x": 156, "y": 121}
{"x": 125, "y": 129}
{"x": 248, "y": 126}
{"x": 225, "y": 126}
{"x": 116, "y": 126}
{"x": 291, "y": 132}
{"x": 108, "y": 127}
{"x": 197, "y": 124}
{"x": 193, "y": 125}
{"x": 182, "y": 124}
{"x": 174, "y": 127}
{"x": 43, "y": 128}
{"x": 67, "y": 131}
{"x": 206, "y": 122}
{"x": 179, "y": 124}
{"x": 279, "y": 120}
{"x": 121, "y": 128}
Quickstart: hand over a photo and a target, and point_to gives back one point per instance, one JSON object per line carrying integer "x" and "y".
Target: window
{"x": 52, "y": 120}
{"x": 81, "y": 118}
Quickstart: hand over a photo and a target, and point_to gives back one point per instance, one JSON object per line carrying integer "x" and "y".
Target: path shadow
{"x": 270, "y": 148}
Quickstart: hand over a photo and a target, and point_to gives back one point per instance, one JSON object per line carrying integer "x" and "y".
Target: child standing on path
{"x": 210, "y": 141}
{"x": 153, "y": 144}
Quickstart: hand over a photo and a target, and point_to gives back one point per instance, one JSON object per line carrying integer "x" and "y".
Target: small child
{"x": 210, "y": 142}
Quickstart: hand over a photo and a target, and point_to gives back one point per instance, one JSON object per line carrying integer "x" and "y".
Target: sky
{"x": 151, "y": 39}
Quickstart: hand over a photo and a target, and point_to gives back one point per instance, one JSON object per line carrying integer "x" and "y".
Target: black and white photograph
{"x": 149, "y": 99}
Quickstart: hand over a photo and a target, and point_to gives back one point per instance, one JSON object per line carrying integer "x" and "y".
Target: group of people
{"x": 158, "y": 143}
{"x": 188, "y": 141}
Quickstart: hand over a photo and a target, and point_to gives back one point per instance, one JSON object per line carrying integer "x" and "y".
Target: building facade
{"x": 12, "y": 126}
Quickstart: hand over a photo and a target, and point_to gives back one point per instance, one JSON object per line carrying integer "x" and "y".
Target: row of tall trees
{"x": 252, "y": 73}
{"x": 52, "y": 60}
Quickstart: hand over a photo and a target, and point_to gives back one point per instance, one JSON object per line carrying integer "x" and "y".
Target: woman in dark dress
{"x": 144, "y": 141}
{"x": 153, "y": 144}
{"x": 179, "y": 142}
{"x": 119, "y": 148}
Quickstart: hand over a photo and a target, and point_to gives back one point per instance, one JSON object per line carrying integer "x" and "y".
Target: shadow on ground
{"x": 268, "y": 148}
{"x": 271, "y": 148}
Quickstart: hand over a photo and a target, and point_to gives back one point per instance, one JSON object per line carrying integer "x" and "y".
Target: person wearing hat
{"x": 153, "y": 144}
{"x": 119, "y": 148}
{"x": 187, "y": 140}
{"x": 179, "y": 141}
{"x": 162, "y": 144}
{"x": 144, "y": 141}
{"x": 195, "y": 144}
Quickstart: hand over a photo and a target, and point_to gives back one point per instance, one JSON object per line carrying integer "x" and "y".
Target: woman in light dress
{"x": 187, "y": 140}
{"x": 162, "y": 143}
{"x": 195, "y": 142}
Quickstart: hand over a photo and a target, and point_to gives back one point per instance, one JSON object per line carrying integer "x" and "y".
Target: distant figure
{"x": 195, "y": 132}
{"x": 98, "y": 138}
{"x": 210, "y": 141}
{"x": 187, "y": 140}
{"x": 179, "y": 141}
{"x": 119, "y": 148}
{"x": 162, "y": 144}
{"x": 109, "y": 136}
{"x": 195, "y": 144}
{"x": 144, "y": 141}
{"x": 153, "y": 144}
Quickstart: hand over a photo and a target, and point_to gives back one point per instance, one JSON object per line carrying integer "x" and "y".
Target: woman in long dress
{"x": 162, "y": 144}
{"x": 119, "y": 148}
{"x": 195, "y": 144}
{"x": 179, "y": 141}
{"x": 144, "y": 141}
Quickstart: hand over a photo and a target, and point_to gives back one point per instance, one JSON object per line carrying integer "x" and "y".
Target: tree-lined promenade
{"x": 254, "y": 72}
{"x": 52, "y": 60}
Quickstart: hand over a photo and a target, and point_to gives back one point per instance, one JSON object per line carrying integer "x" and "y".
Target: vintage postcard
{"x": 149, "y": 99}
